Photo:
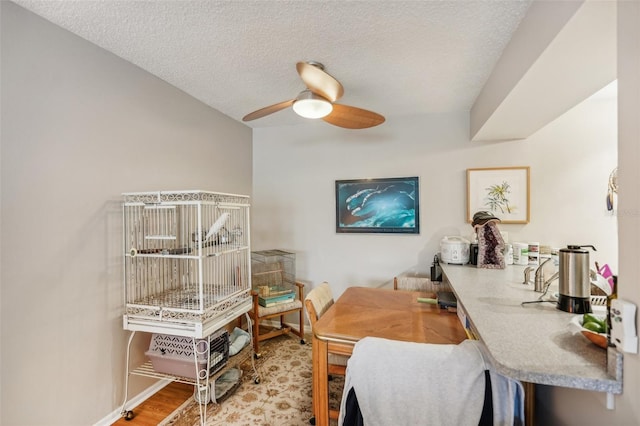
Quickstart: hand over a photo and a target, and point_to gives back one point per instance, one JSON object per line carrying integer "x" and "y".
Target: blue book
{"x": 270, "y": 301}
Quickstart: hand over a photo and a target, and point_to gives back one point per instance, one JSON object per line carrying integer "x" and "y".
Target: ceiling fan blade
{"x": 318, "y": 81}
{"x": 267, "y": 110}
{"x": 353, "y": 118}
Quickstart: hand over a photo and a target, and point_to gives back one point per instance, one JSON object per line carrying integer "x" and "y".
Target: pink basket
{"x": 175, "y": 354}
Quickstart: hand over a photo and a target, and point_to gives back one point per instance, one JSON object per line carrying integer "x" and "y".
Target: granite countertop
{"x": 534, "y": 342}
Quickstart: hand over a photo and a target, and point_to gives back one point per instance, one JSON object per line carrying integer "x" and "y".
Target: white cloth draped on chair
{"x": 405, "y": 383}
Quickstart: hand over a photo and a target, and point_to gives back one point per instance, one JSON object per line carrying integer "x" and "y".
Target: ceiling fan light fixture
{"x": 310, "y": 105}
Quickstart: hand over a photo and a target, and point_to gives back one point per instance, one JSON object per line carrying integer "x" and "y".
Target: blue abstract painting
{"x": 386, "y": 205}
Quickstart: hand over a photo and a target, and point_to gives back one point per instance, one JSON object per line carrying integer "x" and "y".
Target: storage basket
{"x": 174, "y": 354}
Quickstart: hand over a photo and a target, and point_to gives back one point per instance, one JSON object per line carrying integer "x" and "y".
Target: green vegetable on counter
{"x": 593, "y": 323}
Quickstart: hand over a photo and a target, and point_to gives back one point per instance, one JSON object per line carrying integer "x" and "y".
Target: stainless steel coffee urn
{"x": 574, "y": 282}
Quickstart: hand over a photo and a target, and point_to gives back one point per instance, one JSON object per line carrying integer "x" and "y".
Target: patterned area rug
{"x": 281, "y": 398}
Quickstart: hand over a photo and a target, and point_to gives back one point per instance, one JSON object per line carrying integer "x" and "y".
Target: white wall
{"x": 79, "y": 127}
{"x": 295, "y": 169}
{"x": 560, "y": 406}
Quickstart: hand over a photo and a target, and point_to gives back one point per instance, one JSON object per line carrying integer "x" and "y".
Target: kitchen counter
{"x": 533, "y": 343}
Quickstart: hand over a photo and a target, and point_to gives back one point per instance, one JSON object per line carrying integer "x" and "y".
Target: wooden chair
{"x": 316, "y": 303}
{"x": 272, "y": 275}
{"x": 404, "y": 282}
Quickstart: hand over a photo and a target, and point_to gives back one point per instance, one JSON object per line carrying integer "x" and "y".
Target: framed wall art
{"x": 503, "y": 191}
{"x": 385, "y": 205}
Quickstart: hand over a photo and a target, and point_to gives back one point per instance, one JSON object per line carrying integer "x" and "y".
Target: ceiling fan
{"x": 318, "y": 101}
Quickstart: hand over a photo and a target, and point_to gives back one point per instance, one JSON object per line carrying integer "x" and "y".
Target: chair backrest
{"x": 418, "y": 284}
{"x": 318, "y": 301}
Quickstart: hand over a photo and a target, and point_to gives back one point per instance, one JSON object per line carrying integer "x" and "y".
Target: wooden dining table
{"x": 391, "y": 314}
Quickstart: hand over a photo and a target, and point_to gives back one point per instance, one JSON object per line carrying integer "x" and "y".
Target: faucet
{"x": 527, "y": 273}
{"x": 540, "y": 284}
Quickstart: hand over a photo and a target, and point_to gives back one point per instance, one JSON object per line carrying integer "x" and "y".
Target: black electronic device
{"x": 436, "y": 271}
{"x": 446, "y": 299}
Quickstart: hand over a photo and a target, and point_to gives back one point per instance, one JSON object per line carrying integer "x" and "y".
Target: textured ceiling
{"x": 392, "y": 57}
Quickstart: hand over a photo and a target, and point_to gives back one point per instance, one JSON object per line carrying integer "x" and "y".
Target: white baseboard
{"x": 133, "y": 403}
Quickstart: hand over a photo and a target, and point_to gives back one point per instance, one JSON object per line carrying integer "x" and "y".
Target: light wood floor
{"x": 159, "y": 406}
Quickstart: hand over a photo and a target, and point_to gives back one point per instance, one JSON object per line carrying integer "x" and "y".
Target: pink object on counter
{"x": 606, "y": 273}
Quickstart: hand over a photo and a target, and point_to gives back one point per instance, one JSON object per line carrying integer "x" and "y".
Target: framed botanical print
{"x": 502, "y": 191}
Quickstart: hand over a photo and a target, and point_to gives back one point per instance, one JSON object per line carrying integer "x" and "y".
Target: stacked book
{"x": 277, "y": 297}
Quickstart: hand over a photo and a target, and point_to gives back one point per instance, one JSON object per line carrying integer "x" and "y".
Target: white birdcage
{"x": 187, "y": 261}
